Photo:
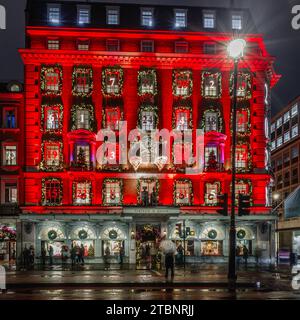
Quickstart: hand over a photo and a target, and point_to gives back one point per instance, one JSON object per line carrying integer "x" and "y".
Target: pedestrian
{"x": 179, "y": 256}
{"x": 43, "y": 255}
{"x": 81, "y": 254}
{"x": 238, "y": 255}
{"x": 245, "y": 255}
{"x": 106, "y": 257}
{"x": 31, "y": 255}
{"x": 121, "y": 255}
{"x": 169, "y": 263}
{"x": 73, "y": 255}
{"x": 26, "y": 256}
{"x": 78, "y": 260}
{"x": 50, "y": 251}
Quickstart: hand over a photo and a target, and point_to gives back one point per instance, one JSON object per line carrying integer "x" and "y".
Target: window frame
{"x": 55, "y": 45}
{"x": 109, "y": 15}
{"x": 181, "y": 44}
{"x": 51, "y": 6}
{"x": 180, "y": 11}
{"x": 117, "y": 44}
{"x": 6, "y": 144}
{"x": 205, "y": 19}
{"x": 83, "y": 7}
{"x": 235, "y": 22}
{"x": 5, "y": 110}
{"x": 151, "y": 19}
{"x": 143, "y": 45}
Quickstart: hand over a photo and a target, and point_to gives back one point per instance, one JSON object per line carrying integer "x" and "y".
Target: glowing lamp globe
{"x": 236, "y": 48}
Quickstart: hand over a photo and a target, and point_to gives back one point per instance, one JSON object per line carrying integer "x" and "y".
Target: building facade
{"x": 285, "y": 143}
{"x": 11, "y": 143}
{"x": 91, "y": 67}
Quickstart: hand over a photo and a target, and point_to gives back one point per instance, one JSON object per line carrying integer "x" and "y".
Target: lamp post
{"x": 235, "y": 51}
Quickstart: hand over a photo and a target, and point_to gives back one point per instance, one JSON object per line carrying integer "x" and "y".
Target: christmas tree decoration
{"x": 91, "y": 251}
{"x": 81, "y": 158}
{"x": 212, "y": 164}
{"x": 82, "y": 81}
{"x": 51, "y": 78}
{"x": 112, "y": 81}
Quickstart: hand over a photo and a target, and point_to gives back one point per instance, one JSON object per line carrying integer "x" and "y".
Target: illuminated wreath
{"x": 181, "y": 196}
{"x": 212, "y": 234}
{"x": 113, "y": 234}
{"x": 52, "y": 234}
{"x": 82, "y": 234}
{"x": 241, "y": 234}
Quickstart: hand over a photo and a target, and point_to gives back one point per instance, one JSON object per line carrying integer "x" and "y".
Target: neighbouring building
{"x": 90, "y": 66}
{"x": 11, "y": 146}
{"x": 285, "y": 143}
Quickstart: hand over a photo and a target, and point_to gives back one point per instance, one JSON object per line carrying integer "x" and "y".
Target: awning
{"x": 292, "y": 204}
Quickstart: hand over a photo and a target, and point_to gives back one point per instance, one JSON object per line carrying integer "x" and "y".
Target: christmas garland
{"x": 191, "y": 195}
{"x": 87, "y": 182}
{"x": 183, "y": 76}
{"x": 79, "y": 70}
{"x": 52, "y": 234}
{"x": 116, "y": 70}
{"x": 112, "y": 180}
{"x": 82, "y": 234}
{"x": 53, "y": 69}
{"x": 150, "y": 75}
{"x": 60, "y": 124}
{"x": 217, "y": 75}
{"x": 148, "y": 108}
{"x": 219, "y": 116}
{"x": 45, "y": 181}
{"x": 212, "y": 234}
{"x": 82, "y": 106}
{"x": 242, "y": 76}
{"x": 43, "y": 165}
{"x": 147, "y": 180}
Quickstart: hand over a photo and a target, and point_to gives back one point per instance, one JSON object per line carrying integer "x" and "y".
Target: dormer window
{"x": 83, "y": 14}
{"x": 54, "y": 13}
{"x": 181, "y": 47}
{"x": 112, "y": 15}
{"x": 53, "y": 44}
{"x": 112, "y": 45}
{"x": 180, "y": 18}
{"x": 147, "y": 17}
{"x": 147, "y": 46}
{"x": 209, "y": 19}
{"x": 83, "y": 45}
{"x": 236, "y": 21}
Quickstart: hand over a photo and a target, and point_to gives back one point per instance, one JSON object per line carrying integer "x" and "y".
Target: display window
{"x": 189, "y": 247}
{"x": 183, "y": 192}
{"x": 112, "y": 118}
{"x": 113, "y": 246}
{"x": 52, "y": 151}
{"x": 240, "y": 246}
{"x": 52, "y": 118}
{"x": 89, "y": 246}
{"x": 211, "y": 247}
{"x": 56, "y": 245}
{"x": 211, "y": 193}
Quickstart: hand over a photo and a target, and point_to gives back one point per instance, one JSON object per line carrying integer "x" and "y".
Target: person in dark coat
{"x": 81, "y": 254}
{"x": 43, "y": 255}
{"x": 169, "y": 263}
{"x": 245, "y": 255}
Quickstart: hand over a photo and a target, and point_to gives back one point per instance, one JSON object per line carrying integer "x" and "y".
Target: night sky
{"x": 272, "y": 18}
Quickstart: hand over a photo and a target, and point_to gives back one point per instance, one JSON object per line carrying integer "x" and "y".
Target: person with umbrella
{"x": 168, "y": 247}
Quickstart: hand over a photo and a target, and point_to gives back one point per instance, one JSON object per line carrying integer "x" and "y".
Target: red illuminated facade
{"x": 81, "y": 77}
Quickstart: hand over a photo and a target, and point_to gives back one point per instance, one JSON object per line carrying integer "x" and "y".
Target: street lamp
{"x": 235, "y": 51}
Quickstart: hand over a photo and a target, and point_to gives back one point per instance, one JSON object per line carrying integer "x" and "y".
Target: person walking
{"x": 121, "y": 255}
{"x": 106, "y": 258}
{"x": 245, "y": 255}
{"x": 26, "y": 256}
{"x": 180, "y": 255}
{"x": 81, "y": 254}
{"x": 31, "y": 255}
{"x": 73, "y": 255}
{"x": 50, "y": 251}
{"x": 43, "y": 255}
{"x": 169, "y": 264}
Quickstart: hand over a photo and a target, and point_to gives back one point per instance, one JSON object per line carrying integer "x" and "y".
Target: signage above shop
{"x": 151, "y": 211}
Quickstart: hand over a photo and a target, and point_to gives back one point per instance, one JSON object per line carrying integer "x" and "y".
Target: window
{"x": 180, "y": 18}
{"x": 52, "y": 154}
{"x": 181, "y": 47}
{"x": 241, "y": 188}
{"x": 53, "y": 44}
{"x": 147, "y": 46}
{"x": 82, "y": 155}
{"x": 52, "y": 189}
{"x": 52, "y": 118}
{"x": 237, "y": 21}
{"x": 243, "y": 85}
{"x": 83, "y": 119}
{"x": 182, "y": 119}
{"x": 295, "y": 131}
{"x": 211, "y": 193}
{"x": 53, "y": 13}
{"x": 210, "y": 151}
{"x": 112, "y": 83}
{"x": 182, "y": 153}
{"x": 272, "y": 127}
{"x": 294, "y": 110}
{"x": 287, "y": 136}
{"x": 273, "y": 145}
{"x": 113, "y": 45}
{"x": 211, "y": 248}
{"x": 82, "y": 194}
{"x": 182, "y": 83}
{"x": 183, "y": 190}
{"x": 146, "y": 188}
{"x": 52, "y": 81}
{"x": 279, "y": 163}
{"x": 286, "y": 117}
{"x": 211, "y": 84}
{"x": 279, "y": 141}
{"x": 241, "y": 157}
{"x": 147, "y": 17}
{"x": 147, "y": 120}
{"x": 295, "y": 152}
{"x": 11, "y": 192}
{"x": 211, "y": 121}
{"x": 112, "y": 118}
{"x": 279, "y": 122}
{"x": 10, "y": 118}
{"x": 147, "y": 82}
{"x": 112, "y": 192}
{"x": 209, "y": 48}
{"x": 9, "y": 155}
{"x": 242, "y": 121}
{"x": 83, "y": 14}
{"x": 82, "y": 80}
{"x": 83, "y": 45}
{"x": 209, "y": 19}
{"x": 112, "y": 15}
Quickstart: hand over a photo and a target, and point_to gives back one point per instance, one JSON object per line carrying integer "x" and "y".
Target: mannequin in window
{"x": 153, "y": 197}
{"x": 145, "y": 197}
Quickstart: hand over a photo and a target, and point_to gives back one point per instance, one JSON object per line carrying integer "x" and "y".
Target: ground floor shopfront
{"x": 140, "y": 231}
{"x": 8, "y": 241}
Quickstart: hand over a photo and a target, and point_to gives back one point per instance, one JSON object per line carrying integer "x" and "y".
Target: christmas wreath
{"x": 113, "y": 234}
{"x": 212, "y": 234}
{"x": 52, "y": 234}
{"x": 241, "y": 234}
{"x": 82, "y": 234}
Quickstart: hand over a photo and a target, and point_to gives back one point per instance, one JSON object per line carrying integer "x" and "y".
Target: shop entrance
{"x": 147, "y": 247}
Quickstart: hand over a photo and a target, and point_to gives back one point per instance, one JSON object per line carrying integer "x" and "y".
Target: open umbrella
{"x": 168, "y": 246}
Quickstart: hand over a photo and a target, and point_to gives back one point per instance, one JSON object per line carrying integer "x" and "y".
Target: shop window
{"x": 241, "y": 157}
{"x": 183, "y": 192}
{"x": 10, "y": 118}
{"x": 112, "y": 118}
{"x": 112, "y": 192}
{"x": 52, "y": 157}
{"x": 182, "y": 119}
{"x": 52, "y": 118}
{"x": 211, "y": 248}
{"x": 82, "y": 193}
{"x": 240, "y": 244}
{"x": 83, "y": 119}
{"x": 52, "y": 192}
{"x": 147, "y": 46}
{"x": 11, "y": 192}
{"x": 242, "y": 121}
{"x": 189, "y": 248}
{"x": 112, "y": 45}
{"x": 113, "y": 247}
{"x": 211, "y": 84}
{"x": 211, "y": 193}
{"x": 9, "y": 155}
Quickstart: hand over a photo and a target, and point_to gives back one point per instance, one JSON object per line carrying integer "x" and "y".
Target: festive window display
{"x": 51, "y": 117}
{"x": 243, "y": 121}
{"x": 82, "y": 117}
{"x": 243, "y": 187}
{"x": 82, "y": 156}
{"x": 183, "y": 192}
{"x": 148, "y": 118}
{"x": 148, "y": 191}
{"x": 241, "y": 157}
{"x": 57, "y": 246}
{"x": 212, "y": 120}
{"x": 52, "y": 156}
{"x": 51, "y": 80}
{"x": 7, "y": 233}
{"x": 112, "y": 247}
{"x": 189, "y": 250}
{"x": 112, "y": 81}
{"x": 88, "y": 246}
{"x": 243, "y": 85}
{"x": 82, "y": 193}
{"x": 9, "y": 155}
{"x": 147, "y": 82}
{"x": 111, "y": 118}
{"x": 112, "y": 192}
{"x": 182, "y": 118}
{"x": 182, "y": 83}
{"x": 51, "y": 192}
{"x": 240, "y": 246}
{"x": 211, "y": 248}
{"x": 212, "y": 189}
{"x": 82, "y": 80}
{"x": 211, "y": 84}
{"x": 211, "y": 158}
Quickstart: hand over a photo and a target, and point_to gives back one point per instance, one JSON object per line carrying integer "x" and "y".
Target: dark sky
{"x": 272, "y": 18}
